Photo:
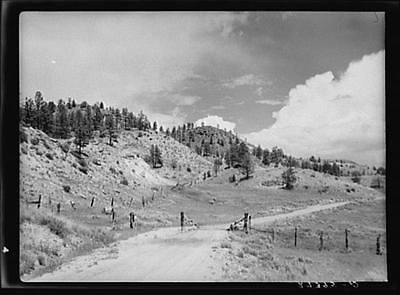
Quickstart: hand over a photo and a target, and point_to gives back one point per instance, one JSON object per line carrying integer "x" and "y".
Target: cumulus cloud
{"x": 335, "y": 118}
{"x": 174, "y": 118}
{"x": 249, "y": 79}
{"x": 270, "y": 102}
{"x": 216, "y": 121}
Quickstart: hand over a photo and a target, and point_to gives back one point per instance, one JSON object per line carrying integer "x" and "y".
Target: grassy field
{"x": 263, "y": 256}
{"x": 218, "y": 201}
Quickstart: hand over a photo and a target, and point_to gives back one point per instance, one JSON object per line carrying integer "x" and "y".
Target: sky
{"x": 311, "y": 83}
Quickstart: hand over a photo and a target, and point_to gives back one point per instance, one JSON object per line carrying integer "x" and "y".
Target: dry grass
{"x": 280, "y": 260}
{"x": 47, "y": 240}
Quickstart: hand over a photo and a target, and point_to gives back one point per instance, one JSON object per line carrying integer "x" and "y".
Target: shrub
{"x": 24, "y": 150}
{"x": 174, "y": 164}
{"x": 208, "y": 173}
{"x": 83, "y": 170}
{"x": 56, "y": 226}
{"x": 66, "y": 188}
{"x": 35, "y": 141}
{"x": 188, "y": 169}
{"x": 356, "y": 176}
{"x": 49, "y": 156}
{"x": 226, "y": 245}
{"x": 289, "y": 178}
{"x": 64, "y": 147}
{"x": 22, "y": 136}
{"x": 39, "y": 152}
{"x": 96, "y": 162}
{"x": 112, "y": 169}
{"x": 124, "y": 181}
{"x": 82, "y": 162}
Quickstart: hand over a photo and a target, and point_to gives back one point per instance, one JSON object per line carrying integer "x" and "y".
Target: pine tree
{"x": 81, "y": 131}
{"x": 62, "y": 127}
{"x": 217, "y": 165}
{"x": 73, "y": 103}
{"x": 98, "y": 117}
{"x": 266, "y": 160}
{"x": 161, "y": 129}
{"x": 259, "y": 152}
{"x": 155, "y": 126}
{"x": 110, "y": 126}
{"x": 101, "y": 105}
{"x": 246, "y": 164}
{"x": 118, "y": 119}
{"x": 155, "y": 156}
{"x": 28, "y": 111}
{"x": 289, "y": 178}
{"x": 125, "y": 118}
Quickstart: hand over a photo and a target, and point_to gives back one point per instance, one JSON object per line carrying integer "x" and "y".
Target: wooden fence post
{"x": 143, "y": 202}
{"x": 39, "y": 201}
{"x": 273, "y": 235}
{"x": 378, "y": 245}
{"x": 249, "y": 222}
{"x": 92, "y": 202}
{"x": 295, "y": 236}
{"x": 346, "y": 231}
{"x": 321, "y": 241}
{"x": 112, "y": 202}
{"x": 246, "y": 215}
{"x": 182, "y": 220}
{"x": 58, "y": 207}
{"x": 131, "y": 219}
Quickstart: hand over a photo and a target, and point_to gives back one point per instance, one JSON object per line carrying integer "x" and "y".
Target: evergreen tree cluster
{"x": 68, "y": 119}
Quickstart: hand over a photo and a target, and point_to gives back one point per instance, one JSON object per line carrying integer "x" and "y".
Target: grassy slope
{"x": 256, "y": 257}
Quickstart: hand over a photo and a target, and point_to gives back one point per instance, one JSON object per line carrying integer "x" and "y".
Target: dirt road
{"x": 166, "y": 254}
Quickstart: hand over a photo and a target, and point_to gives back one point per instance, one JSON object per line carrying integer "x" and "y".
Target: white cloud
{"x": 216, "y": 121}
{"x": 249, "y": 79}
{"x": 174, "y": 118}
{"x": 341, "y": 118}
{"x": 270, "y": 102}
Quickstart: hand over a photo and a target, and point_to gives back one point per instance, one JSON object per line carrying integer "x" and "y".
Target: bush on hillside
{"x": 356, "y": 176}
{"x": 289, "y": 178}
{"x": 124, "y": 181}
{"x": 22, "y": 136}
{"x": 82, "y": 162}
{"x": 64, "y": 147}
{"x": 67, "y": 188}
{"x": 35, "y": 141}
{"x": 49, "y": 156}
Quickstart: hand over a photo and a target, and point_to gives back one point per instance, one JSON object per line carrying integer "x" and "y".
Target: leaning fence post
{"x": 295, "y": 236}
{"x": 143, "y": 202}
{"x": 182, "y": 220}
{"x": 378, "y": 245}
{"x": 39, "y": 201}
{"x": 245, "y": 222}
{"x": 92, "y": 202}
{"x": 346, "y": 231}
{"x": 321, "y": 241}
{"x": 58, "y": 207}
{"x": 112, "y": 202}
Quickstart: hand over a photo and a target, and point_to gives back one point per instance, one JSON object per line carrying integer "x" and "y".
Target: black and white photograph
{"x": 202, "y": 146}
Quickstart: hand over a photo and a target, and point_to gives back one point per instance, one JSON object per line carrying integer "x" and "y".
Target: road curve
{"x": 166, "y": 254}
